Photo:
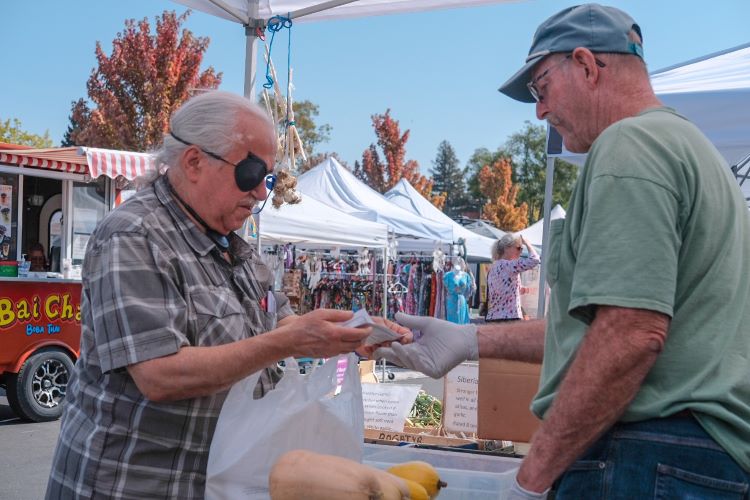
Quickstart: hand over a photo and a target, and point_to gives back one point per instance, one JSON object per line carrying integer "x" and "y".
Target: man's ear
{"x": 585, "y": 60}
{"x": 192, "y": 163}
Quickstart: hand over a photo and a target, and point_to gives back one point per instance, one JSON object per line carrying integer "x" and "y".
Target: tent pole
{"x": 385, "y": 292}
{"x": 385, "y": 279}
{"x": 251, "y": 64}
{"x": 545, "y": 234}
{"x": 251, "y": 60}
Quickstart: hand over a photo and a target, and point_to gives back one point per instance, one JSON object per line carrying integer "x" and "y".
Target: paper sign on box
{"x": 388, "y": 405}
{"x": 460, "y": 399}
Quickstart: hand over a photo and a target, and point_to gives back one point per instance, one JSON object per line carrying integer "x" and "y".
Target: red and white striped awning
{"x": 115, "y": 163}
{"x": 61, "y": 159}
{"x": 82, "y": 160}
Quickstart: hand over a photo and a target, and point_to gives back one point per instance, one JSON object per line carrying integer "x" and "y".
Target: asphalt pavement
{"x": 431, "y": 386}
{"x": 26, "y": 455}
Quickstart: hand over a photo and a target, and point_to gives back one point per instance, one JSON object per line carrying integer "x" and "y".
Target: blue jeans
{"x": 664, "y": 459}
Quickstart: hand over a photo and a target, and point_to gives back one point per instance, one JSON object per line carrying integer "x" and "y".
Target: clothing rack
{"x": 378, "y": 275}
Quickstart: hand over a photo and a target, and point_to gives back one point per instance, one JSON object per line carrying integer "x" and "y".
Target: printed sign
{"x": 460, "y": 399}
{"x": 388, "y": 405}
{"x": 40, "y": 309}
{"x": 79, "y": 245}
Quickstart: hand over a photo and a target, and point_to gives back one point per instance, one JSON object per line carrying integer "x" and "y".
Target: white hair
{"x": 498, "y": 248}
{"x": 210, "y": 121}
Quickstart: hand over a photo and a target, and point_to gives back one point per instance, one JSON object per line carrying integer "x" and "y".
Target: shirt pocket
{"x": 217, "y": 317}
{"x": 553, "y": 252}
{"x": 262, "y": 321}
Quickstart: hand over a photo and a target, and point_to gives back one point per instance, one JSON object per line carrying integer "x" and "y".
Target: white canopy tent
{"x": 714, "y": 93}
{"x": 482, "y": 227}
{"x": 404, "y": 195}
{"x": 313, "y": 224}
{"x": 333, "y": 185}
{"x": 534, "y": 234}
{"x": 253, "y": 15}
{"x": 315, "y": 10}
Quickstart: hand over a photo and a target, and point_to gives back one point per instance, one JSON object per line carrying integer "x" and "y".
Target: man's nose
{"x": 541, "y": 110}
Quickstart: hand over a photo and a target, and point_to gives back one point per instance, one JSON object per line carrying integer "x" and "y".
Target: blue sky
{"x": 438, "y": 72}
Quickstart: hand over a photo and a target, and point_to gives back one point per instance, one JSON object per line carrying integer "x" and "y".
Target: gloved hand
{"x": 442, "y": 346}
{"x": 517, "y": 492}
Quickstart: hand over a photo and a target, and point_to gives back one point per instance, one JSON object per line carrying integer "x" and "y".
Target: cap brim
{"x": 515, "y": 87}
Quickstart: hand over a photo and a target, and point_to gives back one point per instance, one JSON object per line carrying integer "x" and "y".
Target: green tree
{"x": 11, "y": 132}
{"x": 448, "y": 178}
{"x": 311, "y": 134}
{"x": 527, "y": 150}
{"x": 73, "y": 129}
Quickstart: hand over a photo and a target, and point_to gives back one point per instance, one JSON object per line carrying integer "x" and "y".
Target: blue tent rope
{"x": 276, "y": 24}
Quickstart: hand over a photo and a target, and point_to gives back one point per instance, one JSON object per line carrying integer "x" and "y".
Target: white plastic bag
{"x": 301, "y": 412}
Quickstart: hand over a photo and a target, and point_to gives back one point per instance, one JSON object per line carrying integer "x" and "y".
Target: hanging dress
{"x": 457, "y": 284}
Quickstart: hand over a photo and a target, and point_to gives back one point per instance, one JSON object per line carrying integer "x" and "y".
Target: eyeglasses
{"x": 248, "y": 173}
{"x": 532, "y": 85}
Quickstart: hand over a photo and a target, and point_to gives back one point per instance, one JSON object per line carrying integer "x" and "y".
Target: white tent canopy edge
{"x": 404, "y": 195}
{"x": 254, "y": 15}
{"x": 335, "y": 186}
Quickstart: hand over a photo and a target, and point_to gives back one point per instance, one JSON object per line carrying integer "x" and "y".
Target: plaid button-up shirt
{"x": 152, "y": 283}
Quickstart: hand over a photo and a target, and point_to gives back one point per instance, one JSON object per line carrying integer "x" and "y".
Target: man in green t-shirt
{"x": 645, "y": 384}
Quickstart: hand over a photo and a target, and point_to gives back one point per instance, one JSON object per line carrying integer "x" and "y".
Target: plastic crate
{"x": 469, "y": 476}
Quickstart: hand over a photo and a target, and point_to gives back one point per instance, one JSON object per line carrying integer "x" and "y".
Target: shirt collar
{"x": 197, "y": 239}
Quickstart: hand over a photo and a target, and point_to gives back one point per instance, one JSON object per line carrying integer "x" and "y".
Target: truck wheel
{"x": 37, "y": 391}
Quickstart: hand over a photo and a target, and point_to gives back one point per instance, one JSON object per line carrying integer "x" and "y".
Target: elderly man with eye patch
{"x": 175, "y": 309}
{"x": 645, "y": 350}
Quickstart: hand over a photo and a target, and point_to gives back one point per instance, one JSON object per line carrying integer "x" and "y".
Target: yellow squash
{"x": 302, "y": 474}
{"x": 416, "y": 490}
{"x": 421, "y": 473}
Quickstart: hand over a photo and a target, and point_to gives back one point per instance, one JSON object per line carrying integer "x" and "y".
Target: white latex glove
{"x": 441, "y": 347}
{"x": 517, "y": 492}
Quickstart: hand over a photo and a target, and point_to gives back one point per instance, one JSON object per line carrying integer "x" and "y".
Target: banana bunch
{"x": 312, "y": 476}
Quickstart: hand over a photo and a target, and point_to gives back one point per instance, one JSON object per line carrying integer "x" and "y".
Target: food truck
{"x": 50, "y": 202}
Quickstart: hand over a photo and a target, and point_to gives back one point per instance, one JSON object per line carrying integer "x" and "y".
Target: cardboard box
{"x": 506, "y": 389}
{"x": 367, "y": 372}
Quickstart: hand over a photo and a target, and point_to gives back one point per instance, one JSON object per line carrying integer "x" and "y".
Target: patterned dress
{"x": 504, "y": 287}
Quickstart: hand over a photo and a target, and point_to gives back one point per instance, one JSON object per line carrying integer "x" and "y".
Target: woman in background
{"x": 38, "y": 258}
{"x": 503, "y": 279}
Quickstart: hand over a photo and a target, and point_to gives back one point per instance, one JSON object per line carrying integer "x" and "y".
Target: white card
{"x": 379, "y": 333}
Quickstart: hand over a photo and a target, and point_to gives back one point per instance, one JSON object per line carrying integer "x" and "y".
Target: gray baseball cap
{"x": 596, "y": 27}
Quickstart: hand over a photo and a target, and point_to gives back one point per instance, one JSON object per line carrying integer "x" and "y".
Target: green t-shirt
{"x": 656, "y": 221}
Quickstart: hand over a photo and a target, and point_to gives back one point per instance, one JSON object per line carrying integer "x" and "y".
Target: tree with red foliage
{"x": 135, "y": 90}
{"x": 382, "y": 176}
{"x": 496, "y": 185}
